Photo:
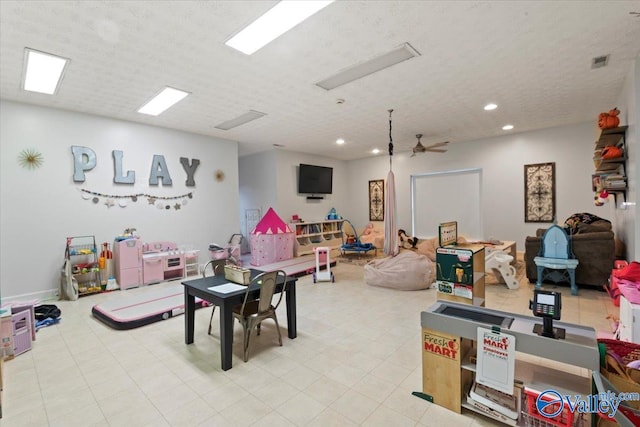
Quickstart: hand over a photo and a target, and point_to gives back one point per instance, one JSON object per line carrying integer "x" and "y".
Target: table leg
{"x": 226, "y": 336}
{"x": 291, "y": 310}
{"x": 189, "y": 316}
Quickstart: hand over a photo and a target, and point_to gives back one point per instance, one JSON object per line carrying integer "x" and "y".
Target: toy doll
{"x": 406, "y": 241}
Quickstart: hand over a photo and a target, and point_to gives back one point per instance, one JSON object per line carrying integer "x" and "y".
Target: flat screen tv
{"x": 315, "y": 179}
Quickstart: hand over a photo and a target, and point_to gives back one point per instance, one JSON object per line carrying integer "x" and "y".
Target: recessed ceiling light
{"x": 339, "y": 141}
{"x": 165, "y": 99}
{"x": 278, "y": 20}
{"x": 240, "y": 120}
{"x": 375, "y": 151}
{"x": 490, "y": 107}
{"x": 507, "y": 127}
{"x": 42, "y": 71}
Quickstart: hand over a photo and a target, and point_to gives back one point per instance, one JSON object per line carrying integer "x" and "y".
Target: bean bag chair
{"x": 407, "y": 271}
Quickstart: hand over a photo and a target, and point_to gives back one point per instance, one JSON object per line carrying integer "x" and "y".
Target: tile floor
{"x": 356, "y": 361}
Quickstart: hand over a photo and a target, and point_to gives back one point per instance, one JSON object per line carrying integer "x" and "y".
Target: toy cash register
{"x": 547, "y": 304}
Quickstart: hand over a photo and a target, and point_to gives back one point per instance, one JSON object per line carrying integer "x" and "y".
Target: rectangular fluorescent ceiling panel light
{"x": 162, "y": 101}
{"x": 43, "y": 71}
{"x": 278, "y": 20}
{"x": 402, "y": 53}
{"x": 240, "y": 120}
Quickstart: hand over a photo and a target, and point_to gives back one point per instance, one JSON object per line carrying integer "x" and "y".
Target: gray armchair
{"x": 594, "y": 247}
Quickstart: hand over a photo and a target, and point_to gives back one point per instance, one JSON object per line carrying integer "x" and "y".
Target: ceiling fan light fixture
{"x": 434, "y": 148}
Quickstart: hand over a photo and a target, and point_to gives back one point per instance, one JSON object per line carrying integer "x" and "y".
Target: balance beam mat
{"x": 295, "y": 267}
{"x": 142, "y": 306}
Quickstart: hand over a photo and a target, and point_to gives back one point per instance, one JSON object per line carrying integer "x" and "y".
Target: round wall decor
{"x": 30, "y": 158}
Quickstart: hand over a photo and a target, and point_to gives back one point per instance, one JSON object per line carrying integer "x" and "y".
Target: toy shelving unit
{"x": 82, "y": 253}
{"x": 313, "y": 234}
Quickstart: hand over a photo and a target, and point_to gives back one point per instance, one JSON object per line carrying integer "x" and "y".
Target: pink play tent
{"x": 271, "y": 241}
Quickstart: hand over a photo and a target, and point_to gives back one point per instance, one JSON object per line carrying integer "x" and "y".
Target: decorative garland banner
{"x": 160, "y": 202}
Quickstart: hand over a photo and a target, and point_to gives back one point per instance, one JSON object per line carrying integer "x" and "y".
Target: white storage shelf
{"x": 310, "y": 235}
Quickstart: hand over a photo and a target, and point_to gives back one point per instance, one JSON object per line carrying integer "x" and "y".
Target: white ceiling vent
{"x": 600, "y": 61}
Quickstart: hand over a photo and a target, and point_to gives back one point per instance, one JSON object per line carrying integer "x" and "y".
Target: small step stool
{"x": 500, "y": 263}
{"x": 323, "y": 255}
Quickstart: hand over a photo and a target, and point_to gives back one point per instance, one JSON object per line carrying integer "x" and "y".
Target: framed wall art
{"x": 540, "y": 192}
{"x": 376, "y": 200}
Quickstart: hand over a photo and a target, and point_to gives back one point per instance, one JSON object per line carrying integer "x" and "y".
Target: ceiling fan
{"x": 419, "y": 148}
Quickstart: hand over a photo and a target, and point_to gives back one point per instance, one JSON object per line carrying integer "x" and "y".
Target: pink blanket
{"x": 630, "y": 290}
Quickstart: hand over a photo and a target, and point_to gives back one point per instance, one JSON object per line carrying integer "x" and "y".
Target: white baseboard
{"x": 46, "y": 295}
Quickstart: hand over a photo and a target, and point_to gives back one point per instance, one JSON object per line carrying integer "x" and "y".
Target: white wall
{"x": 629, "y": 105}
{"x": 40, "y": 208}
{"x": 258, "y": 185}
{"x": 271, "y": 179}
{"x": 634, "y": 163}
{"x": 502, "y": 162}
{"x": 444, "y": 197}
{"x": 290, "y": 202}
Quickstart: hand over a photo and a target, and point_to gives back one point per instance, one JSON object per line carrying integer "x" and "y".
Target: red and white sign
{"x": 442, "y": 346}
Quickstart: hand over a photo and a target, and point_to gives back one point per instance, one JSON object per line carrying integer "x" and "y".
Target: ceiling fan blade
{"x": 435, "y": 150}
{"x": 438, "y": 144}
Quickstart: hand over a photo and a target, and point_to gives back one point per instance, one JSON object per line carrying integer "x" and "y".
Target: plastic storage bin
{"x": 534, "y": 418}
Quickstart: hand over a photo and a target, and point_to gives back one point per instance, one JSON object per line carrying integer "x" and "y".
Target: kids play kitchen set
{"x": 138, "y": 263}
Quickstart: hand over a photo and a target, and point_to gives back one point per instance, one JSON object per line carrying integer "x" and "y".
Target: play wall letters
{"x": 84, "y": 159}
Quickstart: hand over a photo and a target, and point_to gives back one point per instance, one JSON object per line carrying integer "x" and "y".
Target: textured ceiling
{"x": 531, "y": 58}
